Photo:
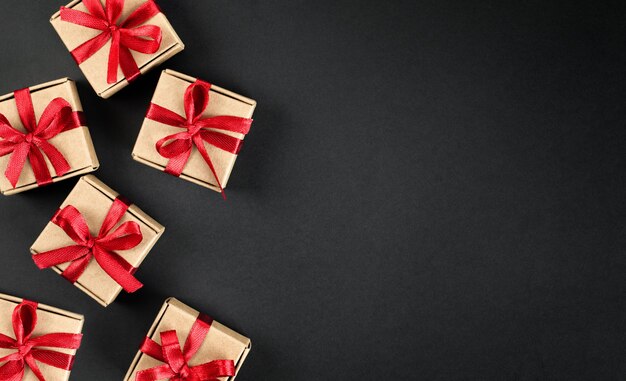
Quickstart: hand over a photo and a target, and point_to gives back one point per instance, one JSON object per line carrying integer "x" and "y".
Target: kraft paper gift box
{"x": 169, "y": 93}
{"x": 93, "y": 199}
{"x": 220, "y": 343}
{"x": 49, "y": 320}
{"x": 95, "y": 67}
{"x": 75, "y": 144}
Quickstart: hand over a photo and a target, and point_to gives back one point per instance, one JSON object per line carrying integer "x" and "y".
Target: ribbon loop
{"x": 176, "y": 361}
{"x": 34, "y": 145}
{"x": 196, "y": 100}
{"x": 198, "y": 131}
{"x": 126, "y": 36}
{"x": 24, "y": 321}
{"x": 29, "y": 349}
{"x": 102, "y": 247}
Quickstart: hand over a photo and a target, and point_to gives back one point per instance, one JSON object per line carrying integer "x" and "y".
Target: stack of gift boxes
{"x": 98, "y": 238}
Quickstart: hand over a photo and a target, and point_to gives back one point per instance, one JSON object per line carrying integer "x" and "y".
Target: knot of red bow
{"x": 198, "y": 130}
{"x": 176, "y": 367}
{"x": 33, "y": 145}
{"x": 126, "y": 36}
{"x": 29, "y": 348}
{"x": 101, "y": 247}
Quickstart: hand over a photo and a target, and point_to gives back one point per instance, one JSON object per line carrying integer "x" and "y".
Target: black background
{"x": 431, "y": 190}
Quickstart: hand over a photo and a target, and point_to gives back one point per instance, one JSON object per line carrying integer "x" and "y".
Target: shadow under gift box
{"x": 220, "y": 343}
{"x": 95, "y": 67}
{"x": 49, "y": 320}
{"x": 75, "y": 144}
{"x": 93, "y": 199}
{"x": 170, "y": 93}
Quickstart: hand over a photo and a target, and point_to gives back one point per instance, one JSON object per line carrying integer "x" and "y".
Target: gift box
{"x": 183, "y": 342}
{"x": 43, "y": 137}
{"x": 97, "y": 240}
{"x": 37, "y": 342}
{"x": 113, "y": 41}
{"x": 194, "y": 130}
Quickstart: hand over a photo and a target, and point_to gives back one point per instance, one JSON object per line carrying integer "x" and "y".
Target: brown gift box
{"x": 170, "y": 93}
{"x": 221, "y": 343}
{"x": 49, "y": 320}
{"x": 75, "y": 144}
{"x": 94, "y": 199}
{"x": 95, "y": 68}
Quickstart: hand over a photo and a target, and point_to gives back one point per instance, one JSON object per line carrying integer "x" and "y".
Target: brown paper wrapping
{"x": 221, "y": 343}
{"x": 170, "y": 93}
{"x": 95, "y": 68}
{"x": 75, "y": 145}
{"x": 94, "y": 199}
{"x": 49, "y": 320}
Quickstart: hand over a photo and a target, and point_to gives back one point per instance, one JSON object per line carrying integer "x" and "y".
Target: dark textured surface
{"x": 431, "y": 190}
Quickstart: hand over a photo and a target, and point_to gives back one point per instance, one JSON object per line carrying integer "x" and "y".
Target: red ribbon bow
{"x": 177, "y": 147}
{"x": 176, "y": 367}
{"x": 127, "y": 36}
{"x": 29, "y": 348}
{"x": 33, "y": 145}
{"x": 101, "y": 247}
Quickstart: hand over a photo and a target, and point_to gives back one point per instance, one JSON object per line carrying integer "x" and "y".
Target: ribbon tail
{"x": 114, "y": 58}
{"x": 60, "y": 165}
{"x": 76, "y": 269}
{"x": 40, "y": 167}
{"x": 128, "y": 64}
{"x": 16, "y": 164}
{"x": 32, "y": 364}
{"x": 176, "y": 164}
{"x": 90, "y": 47}
{"x": 205, "y": 155}
{"x": 118, "y": 269}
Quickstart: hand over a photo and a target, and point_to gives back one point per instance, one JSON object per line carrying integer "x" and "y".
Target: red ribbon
{"x": 33, "y": 145}
{"x": 176, "y": 367}
{"x": 29, "y": 348}
{"x": 101, "y": 247}
{"x": 177, "y": 147}
{"x": 126, "y": 36}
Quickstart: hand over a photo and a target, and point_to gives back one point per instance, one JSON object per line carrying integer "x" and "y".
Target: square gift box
{"x": 214, "y": 351}
{"x": 97, "y": 240}
{"x": 218, "y": 125}
{"x": 40, "y": 324}
{"x": 60, "y": 147}
{"x": 141, "y": 36}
